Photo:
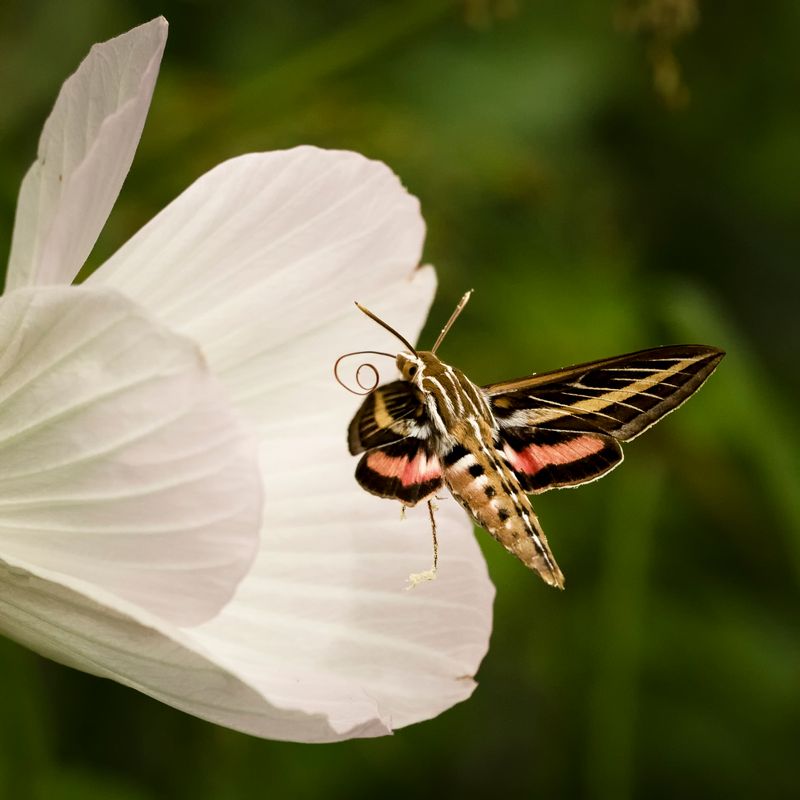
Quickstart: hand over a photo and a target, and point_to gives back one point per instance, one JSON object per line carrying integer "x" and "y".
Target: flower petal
{"x": 121, "y": 461}
{"x": 84, "y": 154}
{"x": 84, "y": 627}
{"x": 321, "y": 625}
{"x": 282, "y": 243}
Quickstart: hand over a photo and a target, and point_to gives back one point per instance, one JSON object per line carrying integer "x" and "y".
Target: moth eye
{"x": 412, "y": 371}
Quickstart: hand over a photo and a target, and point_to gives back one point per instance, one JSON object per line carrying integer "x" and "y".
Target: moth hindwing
{"x": 491, "y": 446}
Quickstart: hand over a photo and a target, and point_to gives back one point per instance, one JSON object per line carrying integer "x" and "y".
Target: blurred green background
{"x": 608, "y": 176}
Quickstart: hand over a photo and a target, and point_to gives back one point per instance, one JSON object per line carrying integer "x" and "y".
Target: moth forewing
{"x": 620, "y": 396}
{"x": 626, "y": 361}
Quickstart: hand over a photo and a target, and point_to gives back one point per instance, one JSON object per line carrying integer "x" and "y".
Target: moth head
{"x": 411, "y": 363}
{"x": 414, "y": 367}
{"x": 411, "y": 366}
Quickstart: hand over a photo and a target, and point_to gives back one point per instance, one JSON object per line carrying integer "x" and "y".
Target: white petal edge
{"x": 122, "y": 462}
{"x": 282, "y": 243}
{"x": 84, "y": 154}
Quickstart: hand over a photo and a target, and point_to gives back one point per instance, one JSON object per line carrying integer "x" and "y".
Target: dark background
{"x": 608, "y": 176}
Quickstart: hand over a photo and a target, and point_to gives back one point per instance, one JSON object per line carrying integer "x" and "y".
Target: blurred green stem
{"x": 622, "y": 595}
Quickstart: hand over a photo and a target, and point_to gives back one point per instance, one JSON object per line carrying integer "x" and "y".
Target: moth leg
{"x": 431, "y": 509}
{"x": 403, "y": 508}
{"x": 429, "y": 574}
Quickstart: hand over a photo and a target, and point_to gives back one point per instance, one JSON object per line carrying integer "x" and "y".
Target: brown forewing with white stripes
{"x": 493, "y": 445}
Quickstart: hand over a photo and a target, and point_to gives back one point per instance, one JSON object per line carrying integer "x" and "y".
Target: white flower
{"x": 142, "y": 413}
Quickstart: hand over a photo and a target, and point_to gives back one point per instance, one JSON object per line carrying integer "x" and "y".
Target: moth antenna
{"x": 453, "y": 317}
{"x": 364, "y": 388}
{"x": 387, "y": 327}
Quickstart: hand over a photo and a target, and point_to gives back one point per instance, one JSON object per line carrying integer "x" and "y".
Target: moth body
{"x": 494, "y": 445}
{"x": 462, "y": 438}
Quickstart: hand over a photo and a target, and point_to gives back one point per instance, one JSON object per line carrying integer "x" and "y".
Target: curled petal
{"x": 121, "y": 461}
{"x": 85, "y": 152}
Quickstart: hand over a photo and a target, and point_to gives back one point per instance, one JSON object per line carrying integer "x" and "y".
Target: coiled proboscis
{"x": 363, "y": 388}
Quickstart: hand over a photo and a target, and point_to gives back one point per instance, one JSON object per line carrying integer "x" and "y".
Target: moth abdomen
{"x": 489, "y": 491}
